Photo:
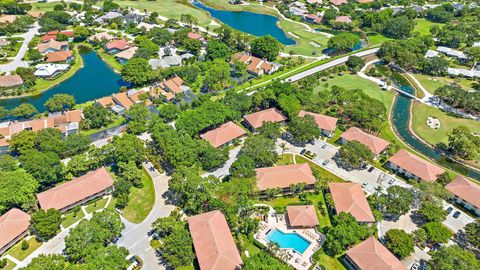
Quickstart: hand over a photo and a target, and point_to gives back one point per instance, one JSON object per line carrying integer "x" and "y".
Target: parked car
{"x": 391, "y": 181}
{"x": 449, "y": 209}
{"x": 415, "y": 266}
{"x": 326, "y": 162}
{"x": 423, "y": 265}
{"x": 310, "y": 155}
{"x": 303, "y": 151}
{"x": 324, "y": 146}
{"x": 364, "y": 184}
{"x": 456, "y": 214}
{"x": 371, "y": 169}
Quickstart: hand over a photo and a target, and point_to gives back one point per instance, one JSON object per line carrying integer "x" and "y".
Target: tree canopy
{"x": 399, "y": 243}
{"x": 266, "y": 47}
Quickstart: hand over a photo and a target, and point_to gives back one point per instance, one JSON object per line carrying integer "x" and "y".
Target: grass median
{"x": 141, "y": 200}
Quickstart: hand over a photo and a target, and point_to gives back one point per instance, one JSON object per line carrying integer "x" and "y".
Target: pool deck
{"x": 289, "y": 255}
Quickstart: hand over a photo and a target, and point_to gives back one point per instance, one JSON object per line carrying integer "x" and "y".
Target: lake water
{"x": 96, "y": 79}
{"x": 249, "y": 22}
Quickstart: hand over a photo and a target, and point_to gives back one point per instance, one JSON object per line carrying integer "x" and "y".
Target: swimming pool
{"x": 289, "y": 240}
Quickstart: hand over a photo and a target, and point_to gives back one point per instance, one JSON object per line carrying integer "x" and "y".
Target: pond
{"x": 249, "y": 22}
{"x": 96, "y": 79}
{"x": 401, "y": 121}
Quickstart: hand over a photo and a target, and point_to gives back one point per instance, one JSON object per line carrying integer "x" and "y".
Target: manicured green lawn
{"x": 423, "y": 26}
{"x": 377, "y": 39}
{"x": 247, "y": 244}
{"x": 70, "y": 218}
{"x": 14, "y": 51}
{"x": 110, "y": 60}
{"x": 96, "y": 205}
{"x": 432, "y": 83}
{"x": 252, "y": 7}
{"x": 351, "y": 81}
{"x": 111, "y": 204}
{"x": 303, "y": 45}
{"x": 285, "y": 160}
{"x": 141, "y": 200}
{"x": 43, "y": 6}
{"x": 19, "y": 254}
{"x": 328, "y": 262}
{"x": 10, "y": 265}
{"x": 117, "y": 121}
{"x": 447, "y": 124}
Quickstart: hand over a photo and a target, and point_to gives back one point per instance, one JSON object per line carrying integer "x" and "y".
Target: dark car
{"x": 456, "y": 214}
{"x": 303, "y": 151}
{"x": 423, "y": 265}
{"x": 449, "y": 209}
{"x": 371, "y": 169}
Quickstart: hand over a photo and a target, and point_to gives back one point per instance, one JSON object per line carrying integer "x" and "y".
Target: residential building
{"x": 312, "y": 18}
{"x": 297, "y": 11}
{"x": 35, "y": 14}
{"x": 77, "y": 191}
{"x": 224, "y": 134}
{"x": 52, "y": 35}
{"x": 315, "y": 2}
{"x": 125, "y": 55}
{"x": 343, "y": 19}
{"x": 11, "y": 81}
{"x": 431, "y": 53}
{"x": 63, "y": 57}
{"x": 48, "y": 71}
{"x": 135, "y": 97}
{"x": 327, "y": 124}
{"x": 52, "y": 46}
{"x": 364, "y": 1}
{"x": 101, "y": 37}
{"x": 302, "y": 216}
{"x": 116, "y": 46}
{"x": 7, "y": 18}
{"x": 166, "y": 62}
{"x": 107, "y": 17}
{"x": 14, "y": 226}
{"x": 372, "y": 255}
{"x": 257, "y": 119}
{"x": 106, "y": 102}
{"x": 4, "y": 42}
{"x": 465, "y": 193}
{"x": 375, "y": 144}
{"x": 174, "y": 85}
{"x": 412, "y": 166}
{"x": 122, "y": 100}
{"x": 338, "y": 2}
{"x": 213, "y": 242}
{"x": 255, "y": 65}
{"x": 284, "y": 176}
{"x": 350, "y": 198}
{"x": 452, "y": 53}
{"x": 196, "y": 36}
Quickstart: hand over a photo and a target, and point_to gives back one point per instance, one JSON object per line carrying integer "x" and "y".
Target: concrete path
{"x": 17, "y": 60}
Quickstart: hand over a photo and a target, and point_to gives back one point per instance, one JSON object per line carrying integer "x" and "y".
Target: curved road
{"x": 17, "y": 61}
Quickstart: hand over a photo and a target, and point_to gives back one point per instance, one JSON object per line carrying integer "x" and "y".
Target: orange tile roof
{"x": 174, "y": 84}
{"x": 372, "y": 255}
{"x": 119, "y": 44}
{"x": 12, "y": 224}
{"x": 213, "y": 242}
{"x": 194, "y": 35}
{"x": 349, "y": 197}
{"x": 375, "y": 144}
{"x": 75, "y": 190}
{"x": 343, "y": 19}
{"x": 302, "y": 216}
{"x": 284, "y": 176}
{"x": 10, "y": 80}
{"x": 323, "y": 122}
{"x": 7, "y": 18}
{"x": 223, "y": 134}
{"x": 59, "y": 56}
{"x": 466, "y": 190}
{"x": 53, "y": 35}
{"x": 106, "y": 102}
{"x": 127, "y": 53}
{"x": 74, "y": 116}
{"x": 417, "y": 166}
{"x": 123, "y": 99}
{"x": 257, "y": 119}
{"x": 338, "y": 2}
{"x": 35, "y": 14}
{"x": 51, "y": 44}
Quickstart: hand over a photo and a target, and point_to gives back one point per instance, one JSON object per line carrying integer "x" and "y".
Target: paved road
{"x": 134, "y": 236}
{"x": 17, "y": 61}
{"x": 328, "y": 65}
{"x": 224, "y": 171}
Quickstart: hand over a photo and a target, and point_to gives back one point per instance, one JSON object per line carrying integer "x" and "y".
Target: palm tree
{"x": 284, "y": 147}
{"x": 378, "y": 190}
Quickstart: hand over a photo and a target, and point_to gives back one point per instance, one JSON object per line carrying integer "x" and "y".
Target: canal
{"x": 96, "y": 79}
{"x": 249, "y": 22}
{"x": 400, "y": 118}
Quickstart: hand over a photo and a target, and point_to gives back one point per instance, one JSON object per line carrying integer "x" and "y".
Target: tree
{"x": 343, "y": 41}
{"x": 147, "y": 44}
{"x": 8, "y": 163}
{"x": 52, "y": 262}
{"x": 211, "y": 157}
{"x": 96, "y": 116}
{"x": 138, "y": 71}
{"x": 264, "y": 261}
{"x": 435, "y": 66}
{"x": 130, "y": 172}
{"x": 472, "y": 231}
{"x": 436, "y": 232}
{"x": 27, "y": 75}
{"x": 160, "y": 36}
{"x": 46, "y": 224}
{"x": 355, "y": 63}
{"x": 24, "y": 110}
{"x": 217, "y": 49}
{"x": 397, "y": 200}
{"x": 354, "y": 154}
{"x": 17, "y": 189}
{"x": 289, "y": 104}
{"x": 22, "y": 141}
{"x": 440, "y": 14}
{"x": 45, "y": 167}
{"x": 453, "y": 257}
{"x": 346, "y": 231}
{"x": 217, "y": 77}
{"x": 266, "y": 47}
{"x": 243, "y": 167}
{"x": 110, "y": 6}
{"x": 34, "y": 55}
{"x": 270, "y": 130}
{"x": 399, "y": 243}
{"x": 261, "y": 150}
{"x": 462, "y": 143}
{"x": 399, "y": 27}
{"x": 432, "y": 211}
{"x": 304, "y": 129}
{"x": 25, "y": 245}
{"x": 168, "y": 112}
{"x": 3, "y": 113}
{"x": 474, "y": 53}
{"x": 138, "y": 116}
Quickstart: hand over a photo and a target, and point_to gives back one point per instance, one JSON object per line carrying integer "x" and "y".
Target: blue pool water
{"x": 288, "y": 240}
{"x": 249, "y": 22}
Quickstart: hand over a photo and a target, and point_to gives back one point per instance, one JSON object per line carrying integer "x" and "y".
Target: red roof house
{"x": 13, "y": 226}
{"x": 375, "y": 144}
{"x": 302, "y": 216}
{"x": 284, "y": 176}
{"x": 413, "y": 166}
{"x": 372, "y": 255}
{"x": 256, "y": 120}
{"x": 327, "y": 124}
{"x": 350, "y": 198}
{"x": 223, "y": 134}
{"x": 466, "y": 192}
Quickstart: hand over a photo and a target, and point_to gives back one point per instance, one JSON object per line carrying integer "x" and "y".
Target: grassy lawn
{"x": 19, "y": 254}
{"x": 110, "y": 60}
{"x": 377, "y": 39}
{"x": 328, "y": 262}
{"x": 96, "y": 205}
{"x": 10, "y": 265}
{"x": 170, "y": 8}
{"x": 247, "y": 244}
{"x": 432, "y": 83}
{"x": 111, "y": 204}
{"x": 287, "y": 159}
{"x": 423, "y": 26}
{"x": 70, "y": 218}
{"x": 42, "y": 84}
{"x": 141, "y": 200}
{"x": 303, "y": 45}
{"x": 252, "y": 7}
{"x": 447, "y": 124}
{"x": 117, "y": 121}
{"x": 43, "y": 6}
{"x": 351, "y": 81}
